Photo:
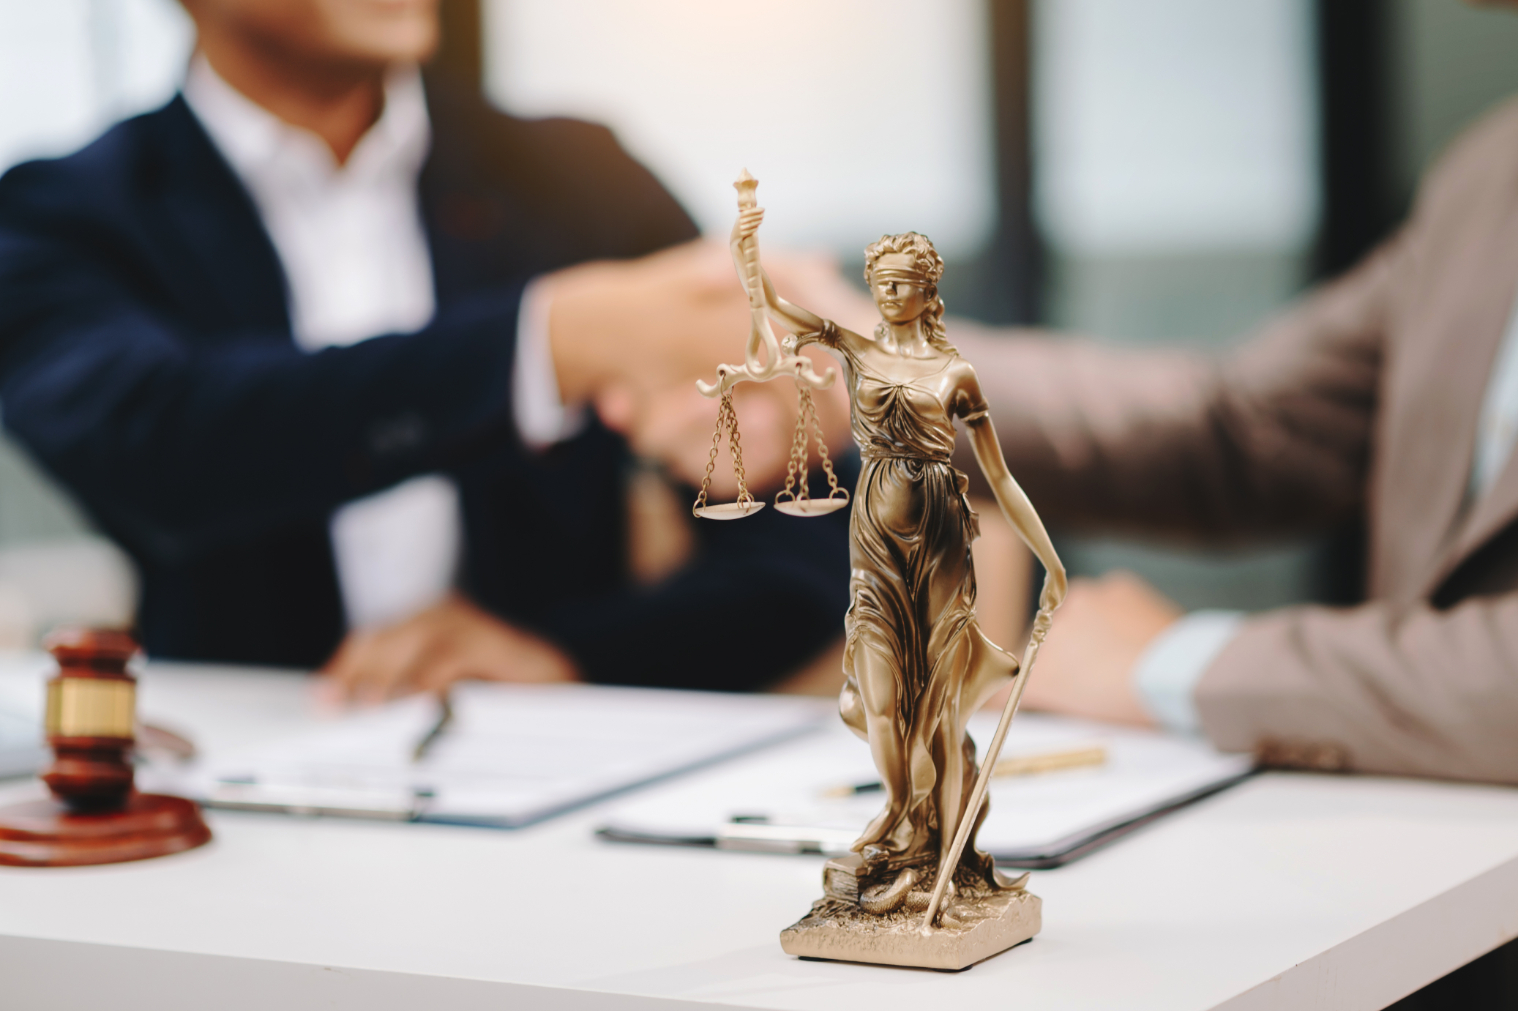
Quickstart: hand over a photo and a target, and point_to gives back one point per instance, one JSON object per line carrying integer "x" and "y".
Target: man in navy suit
{"x": 312, "y": 344}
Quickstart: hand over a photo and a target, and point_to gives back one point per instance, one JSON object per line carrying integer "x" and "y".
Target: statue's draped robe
{"x": 917, "y": 662}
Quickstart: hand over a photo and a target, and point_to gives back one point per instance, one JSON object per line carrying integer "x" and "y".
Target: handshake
{"x": 631, "y": 338}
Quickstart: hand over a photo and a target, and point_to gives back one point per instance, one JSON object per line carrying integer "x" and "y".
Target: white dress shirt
{"x": 357, "y": 265}
{"x": 1168, "y": 671}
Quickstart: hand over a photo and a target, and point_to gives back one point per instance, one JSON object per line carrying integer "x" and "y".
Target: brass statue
{"x": 915, "y": 891}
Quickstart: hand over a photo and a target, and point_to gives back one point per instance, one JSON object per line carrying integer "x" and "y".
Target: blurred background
{"x": 1165, "y": 171}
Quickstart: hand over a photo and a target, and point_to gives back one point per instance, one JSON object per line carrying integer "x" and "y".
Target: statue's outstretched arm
{"x": 1017, "y": 508}
{"x": 793, "y": 317}
{"x": 1014, "y": 502}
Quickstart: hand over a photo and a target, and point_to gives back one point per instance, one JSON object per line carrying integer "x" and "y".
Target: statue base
{"x": 977, "y": 923}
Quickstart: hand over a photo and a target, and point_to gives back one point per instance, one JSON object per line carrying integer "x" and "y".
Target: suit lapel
{"x": 1458, "y": 369}
{"x": 220, "y": 260}
{"x": 1451, "y": 302}
{"x": 1488, "y": 516}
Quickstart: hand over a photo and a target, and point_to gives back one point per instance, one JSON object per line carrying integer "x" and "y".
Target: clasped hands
{"x": 629, "y": 338}
{"x": 633, "y": 337}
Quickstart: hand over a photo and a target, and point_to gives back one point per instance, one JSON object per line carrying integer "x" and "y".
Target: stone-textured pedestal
{"x": 985, "y": 926}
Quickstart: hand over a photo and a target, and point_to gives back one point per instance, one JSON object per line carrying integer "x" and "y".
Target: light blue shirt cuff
{"x": 1167, "y": 673}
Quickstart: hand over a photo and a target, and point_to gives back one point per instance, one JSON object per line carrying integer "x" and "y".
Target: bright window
{"x": 1175, "y": 125}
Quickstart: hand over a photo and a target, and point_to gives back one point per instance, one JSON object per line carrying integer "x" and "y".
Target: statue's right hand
{"x": 747, "y": 225}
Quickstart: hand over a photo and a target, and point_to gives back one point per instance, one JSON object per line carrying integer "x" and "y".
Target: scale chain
{"x": 735, "y": 446}
{"x": 797, "y": 464}
{"x": 822, "y": 449}
{"x": 797, "y": 487}
{"x": 711, "y": 458}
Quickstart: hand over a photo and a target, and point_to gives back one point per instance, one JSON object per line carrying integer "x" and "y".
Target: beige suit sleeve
{"x": 1277, "y": 437}
{"x": 1273, "y": 438}
{"x": 1411, "y": 690}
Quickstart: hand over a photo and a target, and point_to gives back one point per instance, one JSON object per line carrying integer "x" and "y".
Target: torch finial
{"x": 746, "y": 185}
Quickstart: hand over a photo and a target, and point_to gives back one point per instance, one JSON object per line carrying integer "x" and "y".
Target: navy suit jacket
{"x": 146, "y": 360}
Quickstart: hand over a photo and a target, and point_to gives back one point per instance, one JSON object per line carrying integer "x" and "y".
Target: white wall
{"x": 858, "y": 116}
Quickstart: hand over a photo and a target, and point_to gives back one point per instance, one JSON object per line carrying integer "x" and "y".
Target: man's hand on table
{"x": 450, "y": 641}
{"x": 632, "y": 338}
{"x": 1086, "y": 666}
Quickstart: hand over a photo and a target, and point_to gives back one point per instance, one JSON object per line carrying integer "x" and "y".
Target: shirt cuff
{"x": 542, "y": 419}
{"x": 1167, "y": 672}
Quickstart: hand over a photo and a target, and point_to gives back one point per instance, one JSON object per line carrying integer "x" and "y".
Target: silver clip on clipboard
{"x": 247, "y": 794}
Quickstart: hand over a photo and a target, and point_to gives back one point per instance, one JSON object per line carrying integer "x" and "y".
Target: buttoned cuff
{"x": 542, "y": 419}
{"x": 1167, "y": 672}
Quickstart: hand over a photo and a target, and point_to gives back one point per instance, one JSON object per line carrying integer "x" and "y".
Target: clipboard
{"x": 514, "y": 755}
{"x": 778, "y": 802}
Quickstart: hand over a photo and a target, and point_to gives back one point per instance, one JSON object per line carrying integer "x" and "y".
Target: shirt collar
{"x": 257, "y": 143}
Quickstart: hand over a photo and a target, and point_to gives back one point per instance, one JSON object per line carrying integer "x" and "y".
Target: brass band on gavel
{"x": 90, "y": 707}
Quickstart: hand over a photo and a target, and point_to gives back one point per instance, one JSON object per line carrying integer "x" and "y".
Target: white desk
{"x": 1296, "y": 892}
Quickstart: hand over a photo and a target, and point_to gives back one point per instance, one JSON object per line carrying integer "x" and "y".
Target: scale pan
{"x": 729, "y": 510}
{"x": 811, "y": 506}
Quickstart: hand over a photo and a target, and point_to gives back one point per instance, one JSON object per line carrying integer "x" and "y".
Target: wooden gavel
{"x": 94, "y": 815}
{"x": 91, "y": 714}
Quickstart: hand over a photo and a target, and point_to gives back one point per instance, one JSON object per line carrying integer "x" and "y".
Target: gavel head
{"x": 91, "y": 716}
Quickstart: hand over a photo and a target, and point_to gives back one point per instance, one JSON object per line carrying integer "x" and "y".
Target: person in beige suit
{"x": 1390, "y": 393}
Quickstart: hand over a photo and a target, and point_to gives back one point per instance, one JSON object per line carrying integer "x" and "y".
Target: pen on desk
{"x": 1015, "y": 765}
{"x": 444, "y": 717}
{"x": 1049, "y": 761}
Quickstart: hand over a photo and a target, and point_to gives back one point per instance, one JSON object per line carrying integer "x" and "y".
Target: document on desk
{"x": 511, "y": 755}
{"x": 786, "y": 799}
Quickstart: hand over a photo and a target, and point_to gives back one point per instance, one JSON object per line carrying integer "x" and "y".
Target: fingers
{"x": 481, "y": 647}
{"x": 675, "y": 427}
{"x": 449, "y": 642}
{"x": 445, "y": 670}
{"x": 1087, "y": 663}
{"x": 748, "y": 222}
{"x": 813, "y": 280}
{"x": 372, "y": 666}
{"x": 618, "y": 406}
{"x": 622, "y": 332}
{"x": 1124, "y": 592}
{"x": 701, "y": 266}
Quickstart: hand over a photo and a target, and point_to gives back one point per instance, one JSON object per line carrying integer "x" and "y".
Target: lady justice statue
{"x": 915, "y": 891}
